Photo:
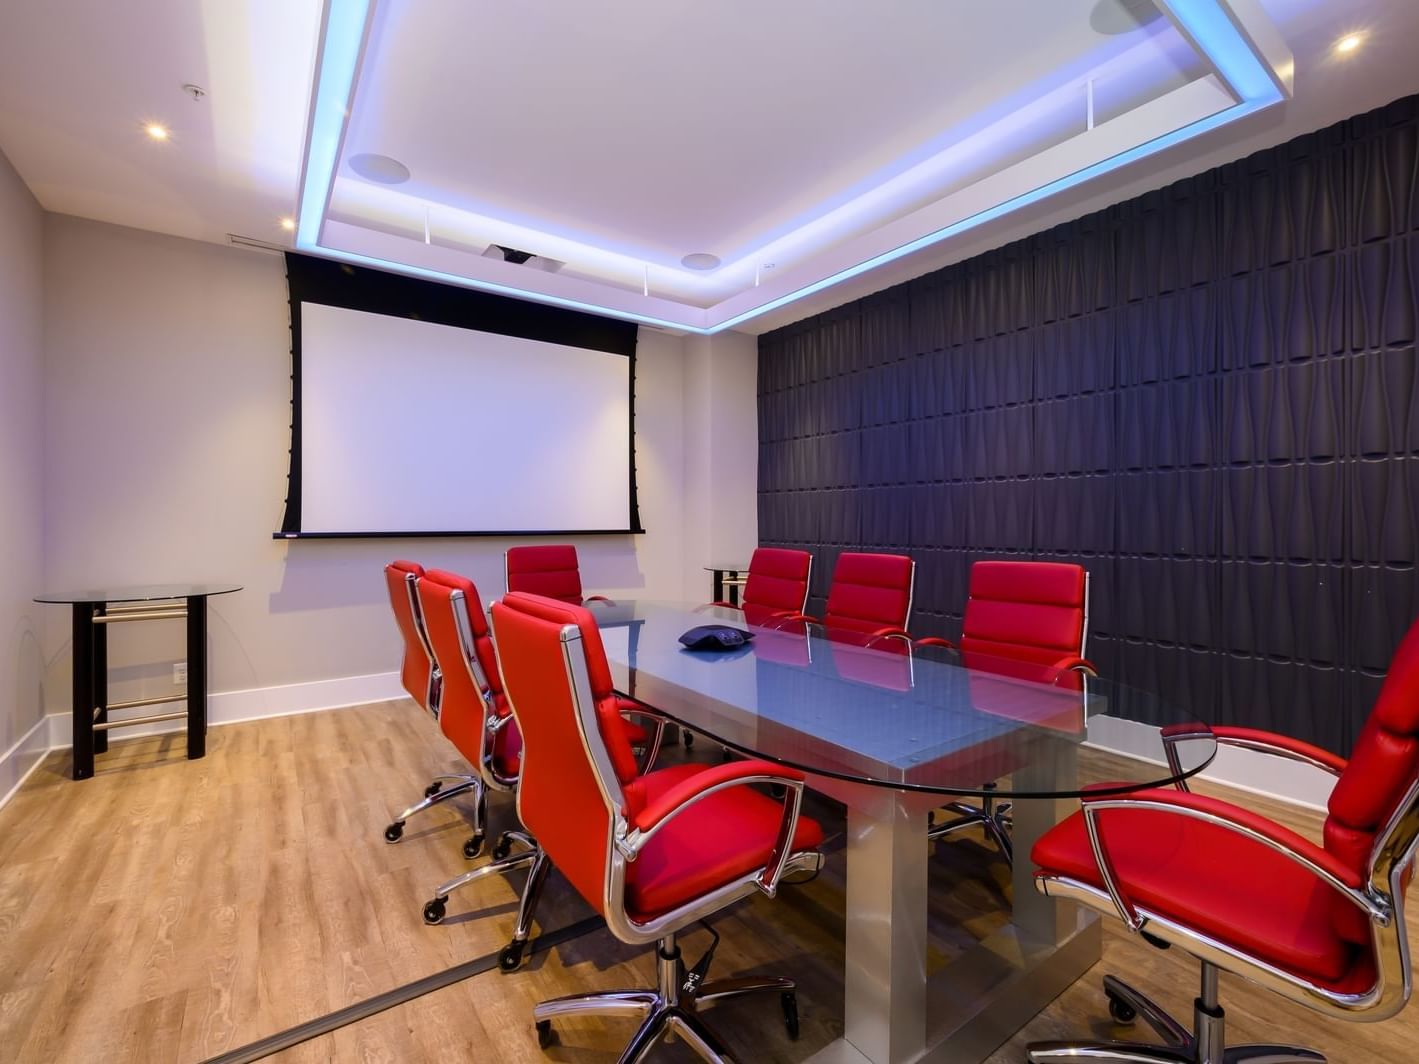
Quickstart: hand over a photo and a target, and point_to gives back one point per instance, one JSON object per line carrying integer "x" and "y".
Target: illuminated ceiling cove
{"x": 696, "y": 166}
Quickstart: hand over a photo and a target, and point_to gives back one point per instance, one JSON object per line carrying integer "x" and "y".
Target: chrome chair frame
{"x": 435, "y": 792}
{"x": 676, "y": 998}
{"x": 531, "y": 855}
{"x": 1381, "y": 899}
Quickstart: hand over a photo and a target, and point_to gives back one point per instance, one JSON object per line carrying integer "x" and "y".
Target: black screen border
{"x": 338, "y": 284}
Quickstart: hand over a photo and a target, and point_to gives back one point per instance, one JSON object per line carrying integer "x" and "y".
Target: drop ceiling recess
{"x": 694, "y": 166}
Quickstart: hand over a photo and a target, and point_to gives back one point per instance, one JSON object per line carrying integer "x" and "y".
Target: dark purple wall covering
{"x": 1207, "y": 396}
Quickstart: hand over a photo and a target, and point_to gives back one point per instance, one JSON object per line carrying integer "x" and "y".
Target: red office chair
{"x": 871, "y": 595}
{"x": 475, "y": 717}
{"x": 547, "y": 570}
{"x": 654, "y": 853}
{"x": 1033, "y": 613}
{"x": 1321, "y": 925}
{"x": 777, "y": 584}
{"x": 421, "y": 678}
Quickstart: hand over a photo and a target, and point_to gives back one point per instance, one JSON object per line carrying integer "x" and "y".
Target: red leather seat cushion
{"x": 1236, "y": 891}
{"x": 713, "y": 842}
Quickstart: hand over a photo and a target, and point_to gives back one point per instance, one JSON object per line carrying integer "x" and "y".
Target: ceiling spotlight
{"x": 1349, "y": 43}
{"x": 288, "y": 224}
{"x": 156, "y": 131}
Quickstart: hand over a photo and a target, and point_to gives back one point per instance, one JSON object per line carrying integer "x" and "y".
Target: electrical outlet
{"x": 179, "y": 672}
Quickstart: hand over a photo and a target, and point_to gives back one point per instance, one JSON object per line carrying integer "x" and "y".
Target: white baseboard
{"x": 24, "y": 757}
{"x": 1246, "y": 770}
{"x": 234, "y": 707}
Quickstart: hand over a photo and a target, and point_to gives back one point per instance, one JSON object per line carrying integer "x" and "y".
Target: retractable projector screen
{"x": 415, "y": 423}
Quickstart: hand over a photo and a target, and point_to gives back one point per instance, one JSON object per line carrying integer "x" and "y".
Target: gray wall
{"x": 165, "y": 459}
{"x": 21, "y": 402}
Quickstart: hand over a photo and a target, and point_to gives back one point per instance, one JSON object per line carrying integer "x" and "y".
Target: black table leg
{"x": 100, "y": 681}
{"x": 718, "y": 586}
{"x": 734, "y": 587}
{"x": 83, "y": 711}
{"x": 196, "y": 677}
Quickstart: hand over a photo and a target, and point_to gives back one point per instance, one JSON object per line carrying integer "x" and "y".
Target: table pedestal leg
{"x": 100, "y": 682}
{"x": 83, "y": 688}
{"x": 885, "y": 992}
{"x": 196, "y": 677}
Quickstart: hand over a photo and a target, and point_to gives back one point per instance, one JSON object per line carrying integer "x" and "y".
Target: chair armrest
{"x": 726, "y": 605}
{"x": 888, "y": 633}
{"x": 721, "y": 777}
{"x": 598, "y": 598}
{"x": 1319, "y": 862}
{"x": 1281, "y": 746}
{"x": 1074, "y": 663}
{"x": 629, "y": 707}
{"x": 935, "y": 641}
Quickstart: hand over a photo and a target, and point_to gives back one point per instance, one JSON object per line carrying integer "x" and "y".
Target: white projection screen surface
{"x": 414, "y": 427}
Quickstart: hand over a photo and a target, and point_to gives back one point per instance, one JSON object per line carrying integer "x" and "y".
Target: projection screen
{"x": 416, "y": 427}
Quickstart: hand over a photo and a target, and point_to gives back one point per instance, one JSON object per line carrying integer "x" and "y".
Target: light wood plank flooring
{"x": 169, "y": 910}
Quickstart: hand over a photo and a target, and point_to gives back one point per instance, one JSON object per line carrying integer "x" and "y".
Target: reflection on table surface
{"x": 890, "y": 713}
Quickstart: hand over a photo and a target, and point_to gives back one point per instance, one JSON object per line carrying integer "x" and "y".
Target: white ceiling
{"x": 663, "y": 128}
{"x": 677, "y": 126}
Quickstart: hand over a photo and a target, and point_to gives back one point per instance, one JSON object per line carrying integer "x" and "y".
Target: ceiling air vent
{"x": 523, "y": 258}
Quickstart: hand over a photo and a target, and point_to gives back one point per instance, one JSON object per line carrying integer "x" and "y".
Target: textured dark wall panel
{"x": 1207, "y": 396}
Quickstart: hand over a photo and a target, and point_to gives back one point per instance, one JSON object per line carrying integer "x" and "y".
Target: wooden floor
{"x": 169, "y": 910}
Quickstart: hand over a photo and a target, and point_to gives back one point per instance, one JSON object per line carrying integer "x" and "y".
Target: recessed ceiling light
{"x": 288, "y": 224}
{"x": 1349, "y": 43}
{"x": 156, "y": 131}
{"x": 379, "y": 168}
{"x": 700, "y": 260}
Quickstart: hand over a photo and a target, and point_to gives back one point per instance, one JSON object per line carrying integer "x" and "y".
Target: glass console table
{"x": 94, "y": 610}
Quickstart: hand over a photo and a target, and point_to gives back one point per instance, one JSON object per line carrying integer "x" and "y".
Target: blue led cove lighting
{"x": 1205, "y": 21}
{"x": 339, "y": 55}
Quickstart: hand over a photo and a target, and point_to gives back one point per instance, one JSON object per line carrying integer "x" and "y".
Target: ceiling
{"x": 817, "y": 153}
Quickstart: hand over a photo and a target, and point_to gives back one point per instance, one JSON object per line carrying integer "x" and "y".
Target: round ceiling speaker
{"x": 700, "y": 260}
{"x": 380, "y": 168}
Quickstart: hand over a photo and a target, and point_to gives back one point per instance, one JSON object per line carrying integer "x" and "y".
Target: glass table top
{"x": 147, "y": 593}
{"x": 929, "y": 718}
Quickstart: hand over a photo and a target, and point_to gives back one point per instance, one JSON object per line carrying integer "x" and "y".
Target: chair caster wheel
{"x": 434, "y": 910}
{"x": 502, "y": 847}
{"x": 545, "y": 1035}
{"x": 790, "y": 1014}
{"x": 1122, "y": 1012}
{"x": 394, "y": 832}
{"x": 433, "y": 788}
{"x": 473, "y": 846}
{"x": 510, "y": 959}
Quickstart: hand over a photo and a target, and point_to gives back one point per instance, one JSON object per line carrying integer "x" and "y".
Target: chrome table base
{"x": 894, "y": 1011}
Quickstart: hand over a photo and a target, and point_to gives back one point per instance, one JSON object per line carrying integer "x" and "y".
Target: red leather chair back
{"x": 450, "y": 602}
{"x": 778, "y": 580}
{"x": 1383, "y": 768}
{"x": 416, "y": 671}
{"x": 564, "y": 800}
{"x": 551, "y": 571}
{"x": 1030, "y": 611}
{"x": 870, "y": 592}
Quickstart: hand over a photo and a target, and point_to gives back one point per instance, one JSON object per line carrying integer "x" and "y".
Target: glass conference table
{"x": 894, "y": 733}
